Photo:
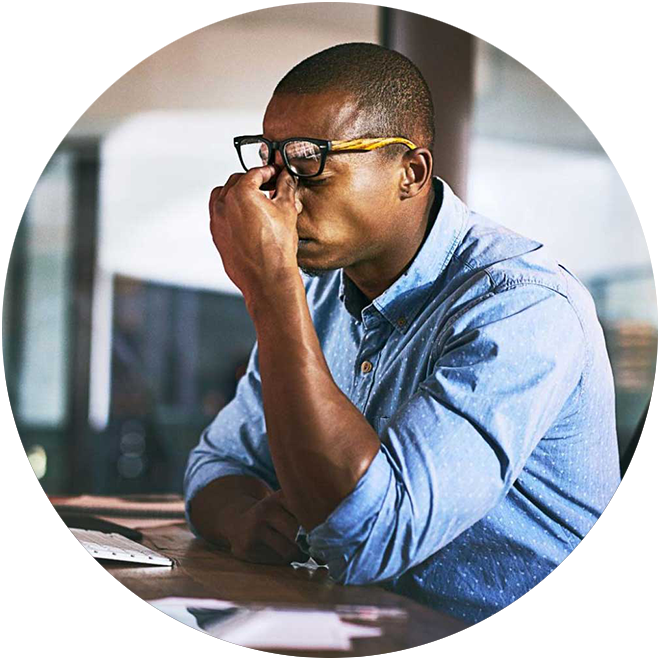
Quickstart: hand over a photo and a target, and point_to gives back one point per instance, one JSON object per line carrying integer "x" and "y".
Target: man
{"x": 434, "y": 408}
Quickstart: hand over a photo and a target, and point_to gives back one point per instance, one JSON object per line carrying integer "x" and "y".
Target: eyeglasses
{"x": 303, "y": 157}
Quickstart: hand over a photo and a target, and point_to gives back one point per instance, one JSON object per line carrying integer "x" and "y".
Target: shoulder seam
{"x": 513, "y": 284}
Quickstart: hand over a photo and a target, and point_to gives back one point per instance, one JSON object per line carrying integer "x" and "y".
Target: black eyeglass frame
{"x": 324, "y": 147}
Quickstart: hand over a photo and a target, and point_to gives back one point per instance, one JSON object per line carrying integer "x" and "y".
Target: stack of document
{"x": 273, "y": 628}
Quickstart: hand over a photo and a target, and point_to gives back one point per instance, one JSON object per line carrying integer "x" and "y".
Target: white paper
{"x": 269, "y": 627}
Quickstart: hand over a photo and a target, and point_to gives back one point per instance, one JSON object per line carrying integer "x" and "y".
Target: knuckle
{"x": 215, "y": 196}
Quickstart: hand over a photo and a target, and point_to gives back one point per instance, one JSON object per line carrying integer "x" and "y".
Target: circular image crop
{"x": 330, "y": 329}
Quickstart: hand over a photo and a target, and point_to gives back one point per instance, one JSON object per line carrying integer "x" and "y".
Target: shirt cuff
{"x": 339, "y": 539}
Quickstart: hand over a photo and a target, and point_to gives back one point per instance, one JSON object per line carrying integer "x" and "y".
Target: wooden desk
{"x": 205, "y": 572}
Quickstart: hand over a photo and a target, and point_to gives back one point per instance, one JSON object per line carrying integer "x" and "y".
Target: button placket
{"x": 368, "y": 356}
{"x": 367, "y": 361}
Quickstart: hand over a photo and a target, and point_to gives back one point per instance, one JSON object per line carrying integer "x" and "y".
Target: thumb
{"x": 285, "y": 188}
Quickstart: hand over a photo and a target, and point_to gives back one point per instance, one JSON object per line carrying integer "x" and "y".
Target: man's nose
{"x": 278, "y": 161}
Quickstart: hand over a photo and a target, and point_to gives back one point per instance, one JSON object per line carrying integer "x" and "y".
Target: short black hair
{"x": 388, "y": 88}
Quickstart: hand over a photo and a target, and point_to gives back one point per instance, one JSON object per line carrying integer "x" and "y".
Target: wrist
{"x": 218, "y": 508}
{"x": 275, "y": 295}
{"x": 229, "y": 514}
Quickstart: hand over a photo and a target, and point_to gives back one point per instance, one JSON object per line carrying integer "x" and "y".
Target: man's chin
{"x": 307, "y": 263}
{"x": 313, "y": 272}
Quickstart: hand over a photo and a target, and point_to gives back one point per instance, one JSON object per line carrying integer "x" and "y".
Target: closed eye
{"x": 312, "y": 183}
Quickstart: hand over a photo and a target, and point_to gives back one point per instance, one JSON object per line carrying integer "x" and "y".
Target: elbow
{"x": 367, "y": 566}
{"x": 351, "y": 571}
{"x": 351, "y": 579}
{"x": 355, "y": 577}
{"x": 382, "y": 554}
{"x": 370, "y": 537}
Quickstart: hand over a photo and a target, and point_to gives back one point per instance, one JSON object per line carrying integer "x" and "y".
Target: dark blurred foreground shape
{"x": 601, "y": 601}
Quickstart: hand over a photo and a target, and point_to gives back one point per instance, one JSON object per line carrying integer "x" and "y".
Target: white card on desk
{"x": 267, "y": 627}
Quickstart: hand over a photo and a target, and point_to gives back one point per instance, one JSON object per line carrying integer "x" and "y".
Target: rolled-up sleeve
{"x": 504, "y": 370}
{"x": 235, "y": 443}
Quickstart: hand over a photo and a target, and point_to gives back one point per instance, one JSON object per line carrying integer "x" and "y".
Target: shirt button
{"x": 366, "y": 367}
{"x": 401, "y": 322}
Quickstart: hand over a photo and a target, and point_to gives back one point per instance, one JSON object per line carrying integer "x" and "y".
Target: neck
{"x": 374, "y": 277}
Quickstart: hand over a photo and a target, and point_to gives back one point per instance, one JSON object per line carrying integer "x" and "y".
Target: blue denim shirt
{"x": 492, "y": 395}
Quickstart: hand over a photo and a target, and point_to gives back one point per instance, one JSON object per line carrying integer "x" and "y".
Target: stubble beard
{"x": 314, "y": 273}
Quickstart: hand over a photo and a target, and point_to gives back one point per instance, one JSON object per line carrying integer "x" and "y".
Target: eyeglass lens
{"x": 254, "y": 153}
{"x": 302, "y": 157}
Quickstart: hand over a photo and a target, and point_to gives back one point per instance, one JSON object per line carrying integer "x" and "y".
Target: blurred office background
{"x": 122, "y": 336}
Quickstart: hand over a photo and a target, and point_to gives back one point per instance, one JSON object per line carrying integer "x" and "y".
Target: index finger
{"x": 257, "y": 177}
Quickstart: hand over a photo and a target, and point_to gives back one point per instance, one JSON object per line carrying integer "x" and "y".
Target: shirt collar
{"x": 401, "y": 302}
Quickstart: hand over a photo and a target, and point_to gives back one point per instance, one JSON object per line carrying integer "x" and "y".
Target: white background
{"x": 600, "y": 57}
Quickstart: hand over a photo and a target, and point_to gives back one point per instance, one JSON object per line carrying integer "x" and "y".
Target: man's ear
{"x": 417, "y": 167}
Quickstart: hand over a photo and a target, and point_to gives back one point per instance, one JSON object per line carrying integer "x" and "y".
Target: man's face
{"x": 349, "y": 211}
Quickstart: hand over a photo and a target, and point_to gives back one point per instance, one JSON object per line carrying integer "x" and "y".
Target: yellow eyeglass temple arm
{"x": 368, "y": 144}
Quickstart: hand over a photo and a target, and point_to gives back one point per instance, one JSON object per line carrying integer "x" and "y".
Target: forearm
{"x": 320, "y": 443}
{"x": 216, "y": 508}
